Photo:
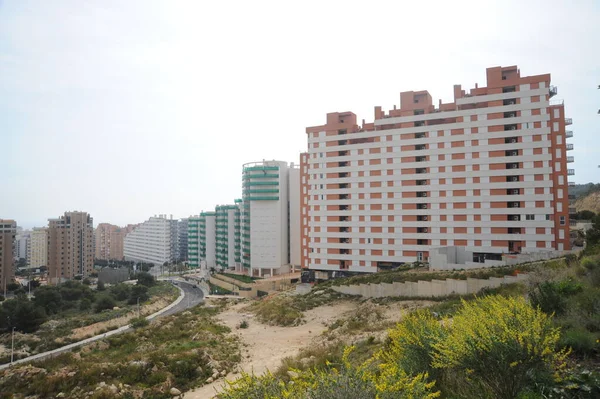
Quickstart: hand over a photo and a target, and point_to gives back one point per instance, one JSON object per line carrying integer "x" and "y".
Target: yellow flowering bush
{"x": 502, "y": 344}
{"x": 410, "y": 343}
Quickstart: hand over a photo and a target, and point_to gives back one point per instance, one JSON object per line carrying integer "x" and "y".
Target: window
{"x": 419, "y": 111}
{"x": 419, "y": 135}
{"x": 530, "y": 217}
{"x": 548, "y": 217}
{"x": 562, "y": 221}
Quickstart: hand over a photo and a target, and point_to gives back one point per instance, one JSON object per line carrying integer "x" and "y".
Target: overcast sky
{"x": 126, "y": 109}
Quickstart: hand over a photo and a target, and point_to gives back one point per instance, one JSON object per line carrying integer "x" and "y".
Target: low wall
{"x": 251, "y": 289}
{"x": 428, "y": 289}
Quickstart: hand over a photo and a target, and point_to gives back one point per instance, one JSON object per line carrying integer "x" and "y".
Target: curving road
{"x": 190, "y": 297}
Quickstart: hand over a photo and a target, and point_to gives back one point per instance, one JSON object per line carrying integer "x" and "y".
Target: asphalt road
{"x": 191, "y": 297}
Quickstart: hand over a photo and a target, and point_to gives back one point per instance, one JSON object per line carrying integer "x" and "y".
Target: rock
{"x": 60, "y": 395}
{"x": 223, "y": 373}
{"x": 187, "y": 313}
{"x": 215, "y": 375}
{"x": 116, "y": 308}
{"x": 71, "y": 374}
{"x": 174, "y": 391}
{"x": 209, "y": 380}
{"x": 292, "y": 374}
{"x": 113, "y": 388}
{"x": 199, "y": 370}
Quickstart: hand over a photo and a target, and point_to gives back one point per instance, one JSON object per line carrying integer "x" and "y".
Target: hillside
{"x": 590, "y": 202}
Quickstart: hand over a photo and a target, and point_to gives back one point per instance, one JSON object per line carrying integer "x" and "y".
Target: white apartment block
{"x": 487, "y": 172}
{"x": 154, "y": 241}
{"x": 265, "y": 218}
{"x": 38, "y": 248}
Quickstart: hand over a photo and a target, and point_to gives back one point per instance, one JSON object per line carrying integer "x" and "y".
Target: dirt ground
{"x": 264, "y": 347}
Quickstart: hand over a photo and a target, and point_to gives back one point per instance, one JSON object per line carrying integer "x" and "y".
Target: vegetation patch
{"x": 287, "y": 310}
{"x": 47, "y": 321}
{"x": 181, "y": 352}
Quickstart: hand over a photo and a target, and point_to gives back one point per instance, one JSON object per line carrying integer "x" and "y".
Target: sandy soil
{"x": 94, "y": 329}
{"x": 266, "y": 346}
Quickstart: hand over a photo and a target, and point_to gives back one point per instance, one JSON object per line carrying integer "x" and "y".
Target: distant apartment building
{"x": 226, "y": 238}
{"x": 22, "y": 242}
{"x": 153, "y": 241}
{"x": 70, "y": 246}
{"x": 38, "y": 248}
{"x": 182, "y": 230}
{"x": 110, "y": 241}
{"x": 8, "y": 231}
{"x": 487, "y": 173}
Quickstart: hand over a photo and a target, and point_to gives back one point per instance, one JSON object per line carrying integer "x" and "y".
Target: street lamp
{"x": 12, "y": 348}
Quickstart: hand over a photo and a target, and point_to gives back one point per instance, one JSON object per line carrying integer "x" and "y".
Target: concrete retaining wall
{"x": 428, "y": 289}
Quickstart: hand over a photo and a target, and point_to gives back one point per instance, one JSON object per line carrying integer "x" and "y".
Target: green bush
{"x": 120, "y": 291}
{"x": 138, "y": 292}
{"x": 244, "y": 324}
{"x": 104, "y": 302}
{"x": 85, "y": 305}
{"x": 139, "y": 322}
{"x": 144, "y": 278}
{"x": 551, "y": 297}
{"x": 580, "y": 340}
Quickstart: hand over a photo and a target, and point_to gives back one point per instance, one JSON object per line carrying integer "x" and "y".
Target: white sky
{"x": 126, "y": 109}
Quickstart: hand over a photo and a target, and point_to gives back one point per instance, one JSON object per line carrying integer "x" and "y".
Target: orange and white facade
{"x": 487, "y": 172}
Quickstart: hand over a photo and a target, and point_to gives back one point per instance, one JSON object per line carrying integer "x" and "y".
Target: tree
{"x": 85, "y": 305}
{"x": 593, "y": 235}
{"x": 146, "y": 279}
{"x": 103, "y": 303}
{"x": 35, "y": 283}
{"x": 13, "y": 286}
{"x": 49, "y": 298}
{"x": 120, "y": 291}
{"x": 138, "y": 291}
{"x": 100, "y": 286}
{"x": 585, "y": 215}
{"x": 21, "y": 314}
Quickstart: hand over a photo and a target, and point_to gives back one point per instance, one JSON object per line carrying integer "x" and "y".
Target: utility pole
{"x": 12, "y": 348}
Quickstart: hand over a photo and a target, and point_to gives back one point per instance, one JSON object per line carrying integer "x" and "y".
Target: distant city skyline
{"x": 126, "y": 110}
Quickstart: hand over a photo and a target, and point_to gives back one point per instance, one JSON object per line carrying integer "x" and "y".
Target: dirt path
{"x": 266, "y": 345}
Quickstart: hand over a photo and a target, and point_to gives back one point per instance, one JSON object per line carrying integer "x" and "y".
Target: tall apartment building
{"x": 182, "y": 229}
{"x": 487, "y": 172}
{"x": 153, "y": 241}
{"x": 70, "y": 246}
{"x": 38, "y": 248}
{"x": 8, "y": 231}
{"x": 194, "y": 241}
{"x": 22, "y": 242}
{"x": 225, "y": 236}
{"x": 110, "y": 241}
{"x": 265, "y": 217}
{"x": 208, "y": 239}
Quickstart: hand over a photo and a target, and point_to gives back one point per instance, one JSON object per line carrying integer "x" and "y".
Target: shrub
{"x": 580, "y": 340}
{"x": 551, "y": 297}
{"x": 120, "y": 291}
{"x": 277, "y": 311}
{"x": 144, "y": 278}
{"x": 100, "y": 286}
{"x": 85, "y": 305}
{"x": 410, "y": 344}
{"x": 105, "y": 302}
{"x": 503, "y": 344}
{"x": 244, "y": 324}
{"x": 138, "y": 291}
{"x": 139, "y": 322}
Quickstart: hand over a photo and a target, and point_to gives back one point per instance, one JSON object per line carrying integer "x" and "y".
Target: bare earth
{"x": 266, "y": 346}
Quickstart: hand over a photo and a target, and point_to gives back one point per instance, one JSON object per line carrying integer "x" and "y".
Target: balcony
{"x": 568, "y": 121}
{"x": 570, "y": 172}
{"x": 572, "y": 196}
{"x": 570, "y": 159}
{"x": 420, "y": 147}
{"x": 571, "y": 184}
{"x": 572, "y": 211}
{"x": 422, "y": 218}
{"x": 513, "y": 191}
{"x": 510, "y": 114}
{"x": 513, "y": 218}
{"x": 569, "y": 147}
{"x": 422, "y": 230}
{"x": 511, "y": 153}
{"x": 553, "y": 91}
{"x": 568, "y": 134}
